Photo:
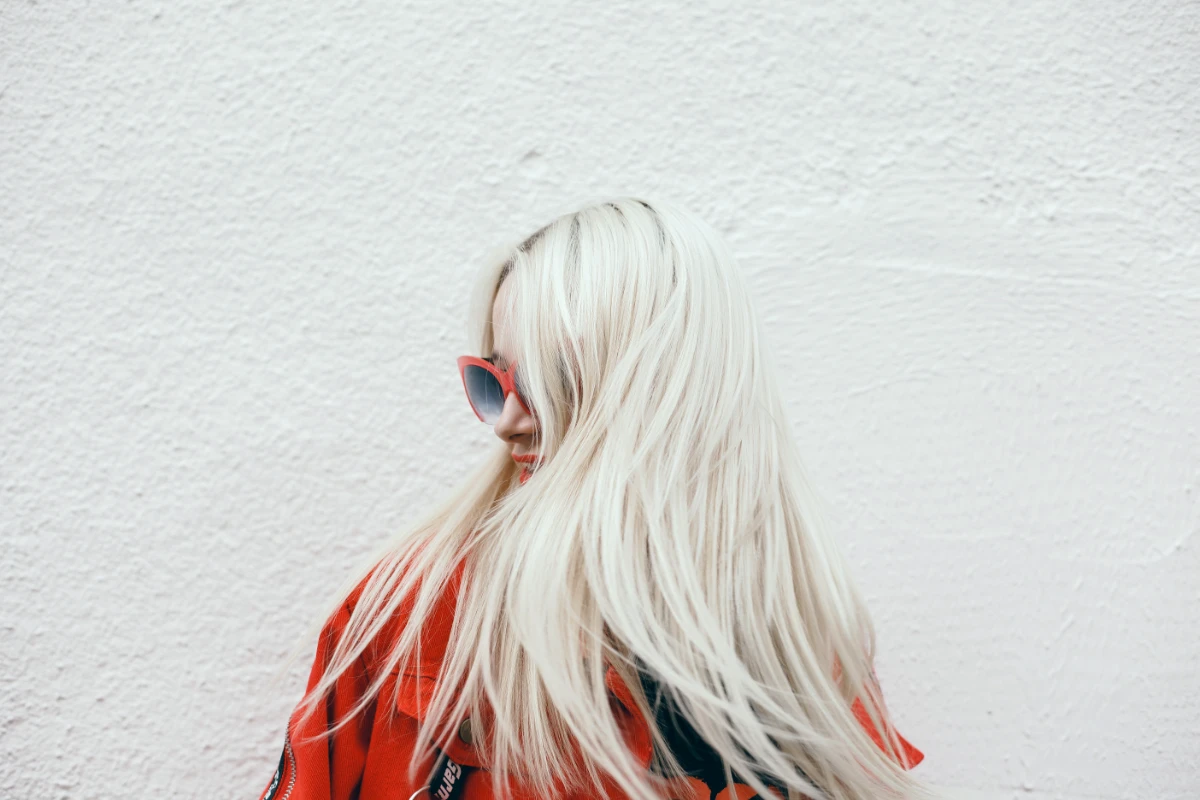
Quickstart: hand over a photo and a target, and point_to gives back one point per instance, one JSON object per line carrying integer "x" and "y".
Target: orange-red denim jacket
{"x": 368, "y": 758}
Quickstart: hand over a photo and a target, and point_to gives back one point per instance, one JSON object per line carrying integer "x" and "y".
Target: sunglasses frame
{"x": 506, "y": 380}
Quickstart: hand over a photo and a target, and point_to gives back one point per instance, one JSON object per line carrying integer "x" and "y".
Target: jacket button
{"x": 464, "y": 731}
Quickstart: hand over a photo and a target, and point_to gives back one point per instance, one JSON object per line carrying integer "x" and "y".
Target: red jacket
{"x": 368, "y": 758}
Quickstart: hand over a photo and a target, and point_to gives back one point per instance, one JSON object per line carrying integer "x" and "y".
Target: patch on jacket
{"x": 446, "y": 783}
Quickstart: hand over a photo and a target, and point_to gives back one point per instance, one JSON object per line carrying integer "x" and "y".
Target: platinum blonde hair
{"x": 670, "y": 526}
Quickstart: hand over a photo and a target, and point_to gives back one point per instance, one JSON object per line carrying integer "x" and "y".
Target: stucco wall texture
{"x": 235, "y": 245}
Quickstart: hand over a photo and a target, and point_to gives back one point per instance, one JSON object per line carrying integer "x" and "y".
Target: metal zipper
{"x": 291, "y": 756}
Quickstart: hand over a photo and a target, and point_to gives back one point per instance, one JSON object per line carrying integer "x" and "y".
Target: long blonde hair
{"x": 670, "y": 527}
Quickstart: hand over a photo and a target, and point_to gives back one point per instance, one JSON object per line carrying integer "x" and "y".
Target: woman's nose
{"x": 514, "y": 422}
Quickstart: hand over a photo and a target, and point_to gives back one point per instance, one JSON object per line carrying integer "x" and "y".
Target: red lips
{"x": 527, "y": 458}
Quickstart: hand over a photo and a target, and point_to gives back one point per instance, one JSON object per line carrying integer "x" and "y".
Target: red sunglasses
{"x": 487, "y": 387}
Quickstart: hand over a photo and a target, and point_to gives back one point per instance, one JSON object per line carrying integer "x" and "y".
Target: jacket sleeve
{"x": 331, "y": 768}
{"x": 695, "y": 789}
{"x": 909, "y": 755}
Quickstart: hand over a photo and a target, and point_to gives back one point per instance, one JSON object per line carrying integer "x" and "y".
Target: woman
{"x": 634, "y": 596}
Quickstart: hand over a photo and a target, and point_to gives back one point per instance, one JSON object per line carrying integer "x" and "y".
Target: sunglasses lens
{"x": 484, "y": 392}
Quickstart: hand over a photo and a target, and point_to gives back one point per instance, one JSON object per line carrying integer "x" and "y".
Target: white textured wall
{"x": 234, "y": 245}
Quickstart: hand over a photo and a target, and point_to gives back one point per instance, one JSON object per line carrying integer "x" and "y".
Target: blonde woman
{"x": 634, "y": 596}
